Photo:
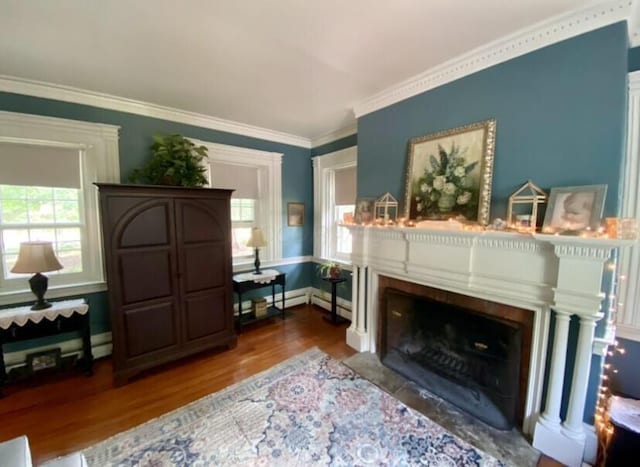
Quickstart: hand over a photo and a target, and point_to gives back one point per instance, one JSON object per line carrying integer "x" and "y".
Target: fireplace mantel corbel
{"x": 538, "y": 272}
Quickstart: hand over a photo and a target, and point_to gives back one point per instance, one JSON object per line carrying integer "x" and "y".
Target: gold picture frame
{"x": 295, "y": 214}
{"x": 449, "y": 174}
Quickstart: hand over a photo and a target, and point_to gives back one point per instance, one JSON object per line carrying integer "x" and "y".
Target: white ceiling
{"x": 294, "y": 66}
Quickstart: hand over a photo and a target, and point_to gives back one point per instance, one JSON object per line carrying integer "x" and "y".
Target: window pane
{"x": 13, "y": 192}
{"x": 40, "y": 211}
{"x": 70, "y": 234}
{"x": 13, "y": 211}
{"x": 67, "y": 211}
{"x": 69, "y": 194}
{"x": 8, "y": 262}
{"x": 343, "y": 235}
{"x": 42, "y": 235}
{"x": 11, "y": 239}
{"x": 242, "y": 209}
{"x": 41, "y": 193}
{"x": 240, "y": 237}
{"x": 71, "y": 260}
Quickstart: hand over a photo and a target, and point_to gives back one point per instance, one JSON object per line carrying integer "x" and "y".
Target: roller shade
{"x": 34, "y": 165}
{"x": 241, "y": 178}
{"x": 345, "y": 186}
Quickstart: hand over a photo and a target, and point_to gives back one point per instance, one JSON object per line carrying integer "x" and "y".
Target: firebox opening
{"x": 470, "y": 359}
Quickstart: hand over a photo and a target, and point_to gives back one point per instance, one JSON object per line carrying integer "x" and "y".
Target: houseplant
{"x": 175, "y": 161}
{"x": 330, "y": 269}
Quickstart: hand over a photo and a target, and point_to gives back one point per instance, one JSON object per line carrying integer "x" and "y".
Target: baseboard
{"x": 591, "y": 445}
{"x": 322, "y": 299}
{"x": 101, "y": 344}
{"x": 291, "y": 297}
{"x": 100, "y": 347}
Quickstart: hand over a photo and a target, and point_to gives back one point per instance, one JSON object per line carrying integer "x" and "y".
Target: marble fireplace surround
{"x": 537, "y": 272}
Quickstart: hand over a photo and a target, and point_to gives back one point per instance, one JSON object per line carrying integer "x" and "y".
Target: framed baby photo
{"x": 364, "y": 210}
{"x": 574, "y": 208}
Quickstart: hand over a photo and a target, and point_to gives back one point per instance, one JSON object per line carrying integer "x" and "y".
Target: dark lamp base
{"x": 39, "y": 283}
{"x": 256, "y": 263}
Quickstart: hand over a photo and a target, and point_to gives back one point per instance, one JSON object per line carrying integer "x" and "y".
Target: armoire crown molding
{"x": 45, "y": 90}
{"x": 506, "y": 48}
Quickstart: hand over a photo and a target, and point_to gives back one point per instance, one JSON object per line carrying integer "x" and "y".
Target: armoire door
{"x": 204, "y": 261}
{"x": 143, "y": 279}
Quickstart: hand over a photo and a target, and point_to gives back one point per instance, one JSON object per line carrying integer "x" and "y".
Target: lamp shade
{"x": 36, "y": 257}
{"x": 257, "y": 238}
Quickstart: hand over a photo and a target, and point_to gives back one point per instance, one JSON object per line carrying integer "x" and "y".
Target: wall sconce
{"x": 257, "y": 241}
{"x": 37, "y": 257}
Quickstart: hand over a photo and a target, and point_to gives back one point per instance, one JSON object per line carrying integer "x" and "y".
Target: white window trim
{"x": 269, "y": 165}
{"x": 98, "y": 144}
{"x": 628, "y": 313}
{"x": 324, "y": 168}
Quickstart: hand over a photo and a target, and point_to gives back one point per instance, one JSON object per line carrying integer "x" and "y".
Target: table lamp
{"x": 37, "y": 257}
{"x": 256, "y": 241}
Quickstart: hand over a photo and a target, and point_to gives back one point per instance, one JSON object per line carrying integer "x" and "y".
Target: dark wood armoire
{"x": 169, "y": 271}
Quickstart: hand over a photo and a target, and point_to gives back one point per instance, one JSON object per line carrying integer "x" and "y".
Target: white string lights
{"x": 604, "y": 428}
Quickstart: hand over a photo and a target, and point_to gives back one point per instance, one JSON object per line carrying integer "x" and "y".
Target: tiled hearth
{"x": 531, "y": 272}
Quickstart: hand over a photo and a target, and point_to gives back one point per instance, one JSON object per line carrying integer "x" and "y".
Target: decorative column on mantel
{"x": 577, "y": 292}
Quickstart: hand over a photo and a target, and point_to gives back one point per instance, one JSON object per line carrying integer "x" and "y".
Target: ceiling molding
{"x": 514, "y": 45}
{"x": 334, "y": 135}
{"x": 634, "y": 24}
{"x": 106, "y": 101}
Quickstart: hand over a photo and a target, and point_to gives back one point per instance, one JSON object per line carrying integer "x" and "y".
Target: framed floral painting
{"x": 449, "y": 174}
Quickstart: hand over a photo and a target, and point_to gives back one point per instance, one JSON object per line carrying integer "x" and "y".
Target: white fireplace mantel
{"x": 538, "y": 272}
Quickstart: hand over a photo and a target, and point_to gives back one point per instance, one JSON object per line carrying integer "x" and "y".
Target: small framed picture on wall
{"x": 295, "y": 214}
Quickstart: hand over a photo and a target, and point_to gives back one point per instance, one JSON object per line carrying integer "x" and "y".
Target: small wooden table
{"x": 22, "y": 323}
{"x": 334, "y": 318}
{"x": 248, "y": 281}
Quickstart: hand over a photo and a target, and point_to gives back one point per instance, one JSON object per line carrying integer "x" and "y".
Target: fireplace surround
{"x": 472, "y": 352}
{"x": 534, "y": 272}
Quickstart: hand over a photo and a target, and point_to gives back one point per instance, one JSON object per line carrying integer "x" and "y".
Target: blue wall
{"x": 560, "y": 111}
{"x": 135, "y": 138}
{"x": 634, "y": 59}
{"x": 561, "y": 121}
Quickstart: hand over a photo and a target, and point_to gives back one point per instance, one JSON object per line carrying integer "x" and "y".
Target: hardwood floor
{"x": 69, "y": 412}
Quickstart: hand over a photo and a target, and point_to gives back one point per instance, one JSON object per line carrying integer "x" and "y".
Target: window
{"x": 47, "y": 170}
{"x": 334, "y": 178}
{"x": 255, "y": 177}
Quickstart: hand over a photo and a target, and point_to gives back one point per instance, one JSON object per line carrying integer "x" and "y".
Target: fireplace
{"x": 505, "y": 274}
{"x": 471, "y": 352}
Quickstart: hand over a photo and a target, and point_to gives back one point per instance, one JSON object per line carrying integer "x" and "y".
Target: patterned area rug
{"x": 308, "y": 410}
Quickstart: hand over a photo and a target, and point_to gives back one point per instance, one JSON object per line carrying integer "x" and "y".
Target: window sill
{"x": 16, "y": 297}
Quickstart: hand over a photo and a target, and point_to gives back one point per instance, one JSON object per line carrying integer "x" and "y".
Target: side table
{"x": 22, "y": 323}
{"x": 248, "y": 281}
{"x": 334, "y": 318}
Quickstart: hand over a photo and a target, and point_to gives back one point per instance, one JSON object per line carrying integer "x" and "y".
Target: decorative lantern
{"x": 525, "y": 218}
{"x": 386, "y": 209}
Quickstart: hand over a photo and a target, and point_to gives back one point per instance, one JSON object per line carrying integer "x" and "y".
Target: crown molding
{"x": 45, "y": 90}
{"x": 514, "y": 45}
{"x": 634, "y": 24}
{"x": 334, "y": 135}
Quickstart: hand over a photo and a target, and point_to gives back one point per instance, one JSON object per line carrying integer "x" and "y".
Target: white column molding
{"x": 628, "y": 315}
{"x": 573, "y": 425}
{"x": 551, "y": 415}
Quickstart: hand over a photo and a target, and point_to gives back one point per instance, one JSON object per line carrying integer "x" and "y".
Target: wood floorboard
{"x": 68, "y": 412}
